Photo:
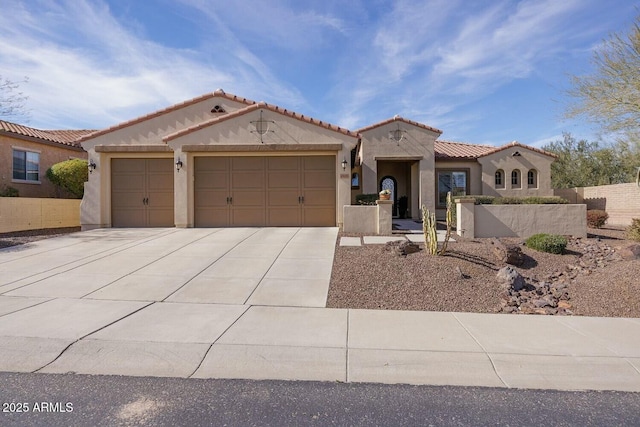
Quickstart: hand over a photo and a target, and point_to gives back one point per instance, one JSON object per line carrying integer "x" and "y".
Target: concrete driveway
{"x": 249, "y": 303}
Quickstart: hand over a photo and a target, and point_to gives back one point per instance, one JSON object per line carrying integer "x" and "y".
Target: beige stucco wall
{"x": 522, "y": 220}
{"x": 505, "y": 160}
{"x": 23, "y": 213}
{"x": 50, "y": 154}
{"x": 620, "y": 201}
{"x": 368, "y": 219}
{"x": 290, "y": 136}
{"x": 416, "y": 146}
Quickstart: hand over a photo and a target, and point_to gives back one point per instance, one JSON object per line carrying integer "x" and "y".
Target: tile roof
{"x": 460, "y": 150}
{"x": 398, "y": 119}
{"x": 257, "y": 106}
{"x": 449, "y": 150}
{"x": 517, "y": 144}
{"x": 217, "y": 93}
{"x": 64, "y": 137}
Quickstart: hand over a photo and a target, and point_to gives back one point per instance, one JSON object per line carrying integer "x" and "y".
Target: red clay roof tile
{"x": 64, "y": 137}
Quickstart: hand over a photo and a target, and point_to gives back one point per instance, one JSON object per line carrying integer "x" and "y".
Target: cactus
{"x": 429, "y": 229}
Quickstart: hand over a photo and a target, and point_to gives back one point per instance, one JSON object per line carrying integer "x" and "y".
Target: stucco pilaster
{"x": 181, "y": 180}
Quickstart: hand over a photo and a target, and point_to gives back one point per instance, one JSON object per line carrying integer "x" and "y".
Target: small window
{"x": 499, "y": 179}
{"x": 532, "y": 179}
{"x": 26, "y": 166}
{"x": 218, "y": 109}
{"x": 355, "y": 180}
{"x": 515, "y": 179}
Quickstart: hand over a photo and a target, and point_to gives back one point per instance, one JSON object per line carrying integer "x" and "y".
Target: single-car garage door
{"x": 265, "y": 191}
{"x": 142, "y": 193}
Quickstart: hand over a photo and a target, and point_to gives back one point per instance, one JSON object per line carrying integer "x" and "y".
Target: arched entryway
{"x": 389, "y": 183}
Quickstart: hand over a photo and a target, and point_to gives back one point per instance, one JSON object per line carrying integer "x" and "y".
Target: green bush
{"x": 9, "y": 192}
{"x": 633, "y": 231}
{"x": 366, "y": 199}
{"x": 596, "y": 218}
{"x": 531, "y": 200}
{"x": 549, "y": 200}
{"x": 70, "y": 175}
{"x": 551, "y": 243}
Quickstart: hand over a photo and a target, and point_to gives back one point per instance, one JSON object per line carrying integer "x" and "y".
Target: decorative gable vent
{"x": 218, "y": 109}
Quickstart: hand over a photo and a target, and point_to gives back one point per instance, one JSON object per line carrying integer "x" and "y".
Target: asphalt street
{"x": 84, "y": 400}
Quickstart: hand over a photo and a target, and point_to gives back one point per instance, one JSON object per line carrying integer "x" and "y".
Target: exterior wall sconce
{"x": 178, "y": 164}
{"x": 344, "y": 164}
{"x": 92, "y": 166}
{"x": 397, "y": 135}
{"x": 262, "y": 127}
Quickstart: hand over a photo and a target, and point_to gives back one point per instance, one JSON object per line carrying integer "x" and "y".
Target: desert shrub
{"x": 507, "y": 201}
{"x": 480, "y": 200}
{"x": 596, "y": 218}
{"x": 9, "y": 192}
{"x": 633, "y": 231}
{"x": 70, "y": 175}
{"x": 548, "y": 200}
{"x": 366, "y": 199}
{"x": 551, "y": 243}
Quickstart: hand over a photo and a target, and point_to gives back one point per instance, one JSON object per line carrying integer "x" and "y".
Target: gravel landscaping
{"x": 22, "y": 237}
{"x": 589, "y": 279}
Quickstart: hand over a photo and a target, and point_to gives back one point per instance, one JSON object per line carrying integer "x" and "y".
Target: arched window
{"x": 532, "y": 179}
{"x": 499, "y": 179}
{"x": 515, "y": 179}
{"x": 355, "y": 180}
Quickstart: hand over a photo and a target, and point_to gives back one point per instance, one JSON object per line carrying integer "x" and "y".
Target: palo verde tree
{"x": 610, "y": 96}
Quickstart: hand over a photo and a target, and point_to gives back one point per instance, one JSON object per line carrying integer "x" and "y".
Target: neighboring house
{"x": 26, "y": 154}
{"x": 221, "y": 160}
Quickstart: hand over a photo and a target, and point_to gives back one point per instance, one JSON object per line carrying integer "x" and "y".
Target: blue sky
{"x": 483, "y": 71}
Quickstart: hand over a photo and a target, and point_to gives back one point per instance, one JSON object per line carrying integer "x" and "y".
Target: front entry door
{"x": 389, "y": 183}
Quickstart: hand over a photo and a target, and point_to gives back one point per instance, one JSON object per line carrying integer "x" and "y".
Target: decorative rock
{"x": 511, "y": 278}
{"x": 402, "y": 247}
{"x": 507, "y": 253}
{"x": 630, "y": 252}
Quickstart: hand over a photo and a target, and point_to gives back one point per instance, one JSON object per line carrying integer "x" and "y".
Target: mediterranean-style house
{"x": 26, "y": 153}
{"x": 221, "y": 160}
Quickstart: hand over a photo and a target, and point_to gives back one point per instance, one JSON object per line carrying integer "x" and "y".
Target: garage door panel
{"x": 122, "y": 166}
{"x": 161, "y": 183}
{"x": 211, "y": 198}
{"x": 127, "y": 200}
{"x": 212, "y": 217}
{"x": 254, "y": 199}
{"x": 282, "y": 163}
{"x": 318, "y": 217}
{"x": 319, "y": 198}
{"x": 283, "y": 179}
{"x": 282, "y": 217}
{"x": 319, "y": 163}
{"x": 160, "y": 200}
{"x": 161, "y": 218}
{"x": 247, "y": 163}
{"x": 211, "y": 180}
{"x": 247, "y": 180}
{"x": 319, "y": 179}
{"x": 247, "y": 217}
{"x": 127, "y": 183}
{"x": 123, "y": 217}
{"x": 284, "y": 198}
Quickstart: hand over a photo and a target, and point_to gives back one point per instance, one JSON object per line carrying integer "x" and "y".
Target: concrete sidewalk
{"x": 71, "y": 304}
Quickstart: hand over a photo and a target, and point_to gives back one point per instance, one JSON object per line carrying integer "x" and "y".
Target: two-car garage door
{"x": 265, "y": 191}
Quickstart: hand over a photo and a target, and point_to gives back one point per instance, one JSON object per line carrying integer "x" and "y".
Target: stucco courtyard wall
{"x": 23, "y": 213}
{"x": 368, "y": 219}
{"x": 477, "y": 221}
{"x": 620, "y": 201}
